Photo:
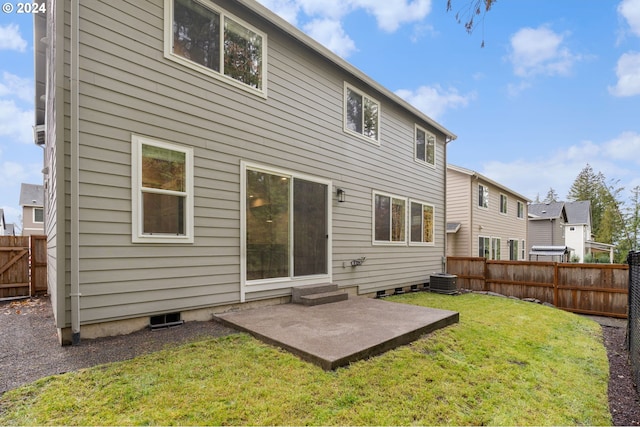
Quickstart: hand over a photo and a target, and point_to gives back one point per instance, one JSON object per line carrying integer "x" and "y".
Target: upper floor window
{"x": 389, "y": 218}
{"x": 422, "y": 223}
{"x": 361, "y": 114}
{"x": 425, "y": 146}
{"x": 520, "y": 210}
{"x": 207, "y": 38}
{"x": 162, "y": 192}
{"x": 38, "y": 215}
{"x": 503, "y": 204}
{"x": 483, "y": 196}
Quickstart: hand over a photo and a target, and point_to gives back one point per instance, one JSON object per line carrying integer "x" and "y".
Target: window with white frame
{"x": 484, "y": 247}
{"x": 523, "y": 248}
{"x": 483, "y": 196}
{"x": 286, "y": 225}
{"x": 38, "y": 215}
{"x": 495, "y": 247}
{"x": 503, "y": 203}
{"x": 389, "y": 217}
{"x": 162, "y": 192}
{"x": 422, "y": 223}
{"x": 520, "y": 210}
{"x": 205, "y": 37}
{"x": 513, "y": 250}
{"x": 361, "y": 114}
{"x": 425, "y": 146}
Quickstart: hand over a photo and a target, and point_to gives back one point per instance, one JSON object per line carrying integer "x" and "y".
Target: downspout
{"x": 444, "y": 209}
{"x": 75, "y": 172}
{"x": 474, "y": 178}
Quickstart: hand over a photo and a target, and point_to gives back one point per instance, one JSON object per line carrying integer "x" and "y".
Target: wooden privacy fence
{"x": 597, "y": 289}
{"x": 23, "y": 266}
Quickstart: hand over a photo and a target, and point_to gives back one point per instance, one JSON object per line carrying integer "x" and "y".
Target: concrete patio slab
{"x": 336, "y": 334}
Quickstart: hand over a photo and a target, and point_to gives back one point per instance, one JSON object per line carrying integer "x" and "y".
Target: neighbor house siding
{"x": 546, "y": 232}
{"x": 128, "y": 87}
{"x": 478, "y": 221}
{"x": 491, "y": 223}
{"x": 459, "y": 205}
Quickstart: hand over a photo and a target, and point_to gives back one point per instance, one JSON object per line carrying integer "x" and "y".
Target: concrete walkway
{"x": 333, "y": 335}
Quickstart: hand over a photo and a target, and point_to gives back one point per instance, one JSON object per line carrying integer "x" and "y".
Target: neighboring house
{"x": 32, "y": 203}
{"x": 484, "y": 218}
{"x": 203, "y": 154}
{"x": 10, "y": 230}
{"x": 563, "y": 228}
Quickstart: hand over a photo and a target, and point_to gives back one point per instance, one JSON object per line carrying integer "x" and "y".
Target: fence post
{"x": 555, "y": 284}
{"x": 485, "y": 274}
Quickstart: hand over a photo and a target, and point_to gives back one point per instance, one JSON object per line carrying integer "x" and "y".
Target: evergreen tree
{"x": 552, "y": 196}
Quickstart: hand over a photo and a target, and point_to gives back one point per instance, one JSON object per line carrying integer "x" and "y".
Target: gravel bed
{"x": 30, "y": 350}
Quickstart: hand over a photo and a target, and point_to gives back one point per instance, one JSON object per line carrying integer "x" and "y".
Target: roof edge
{"x": 473, "y": 173}
{"x": 328, "y": 54}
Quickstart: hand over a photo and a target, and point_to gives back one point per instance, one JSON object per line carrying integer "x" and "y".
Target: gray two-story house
{"x": 205, "y": 154}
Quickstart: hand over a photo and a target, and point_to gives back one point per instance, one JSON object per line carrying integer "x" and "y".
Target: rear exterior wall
{"x": 128, "y": 87}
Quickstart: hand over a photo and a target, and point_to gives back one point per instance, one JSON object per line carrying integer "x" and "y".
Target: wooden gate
{"x": 23, "y": 272}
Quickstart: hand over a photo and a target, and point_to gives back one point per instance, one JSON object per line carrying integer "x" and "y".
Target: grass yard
{"x": 506, "y": 363}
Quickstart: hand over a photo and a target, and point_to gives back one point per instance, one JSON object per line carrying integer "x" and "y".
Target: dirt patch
{"x": 30, "y": 349}
{"x": 623, "y": 396}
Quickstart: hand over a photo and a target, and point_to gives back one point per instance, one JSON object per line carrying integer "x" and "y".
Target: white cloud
{"x": 559, "y": 169}
{"x": 286, "y": 9}
{"x": 10, "y": 38}
{"x": 630, "y": 11}
{"x": 628, "y": 73}
{"x": 536, "y": 51}
{"x": 514, "y": 89}
{"x": 624, "y": 147}
{"x": 12, "y": 85}
{"x": 391, "y": 14}
{"x": 16, "y": 123}
{"x": 331, "y": 34}
{"x": 324, "y": 17}
{"x": 435, "y": 101}
{"x": 13, "y": 172}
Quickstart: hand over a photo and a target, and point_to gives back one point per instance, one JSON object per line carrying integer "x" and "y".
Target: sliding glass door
{"x": 286, "y": 226}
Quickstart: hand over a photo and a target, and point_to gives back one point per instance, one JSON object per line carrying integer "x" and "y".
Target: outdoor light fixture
{"x": 342, "y": 195}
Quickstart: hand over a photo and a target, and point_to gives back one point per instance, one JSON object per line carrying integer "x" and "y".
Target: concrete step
{"x": 324, "y": 298}
{"x": 299, "y": 291}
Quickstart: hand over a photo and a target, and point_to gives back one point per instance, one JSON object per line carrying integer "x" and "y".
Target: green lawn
{"x": 506, "y": 363}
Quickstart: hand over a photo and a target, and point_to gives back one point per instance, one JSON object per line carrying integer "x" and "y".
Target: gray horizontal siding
{"x": 127, "y": 86}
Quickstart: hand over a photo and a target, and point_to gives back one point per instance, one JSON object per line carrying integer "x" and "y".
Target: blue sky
{"x": 556, "y": 86}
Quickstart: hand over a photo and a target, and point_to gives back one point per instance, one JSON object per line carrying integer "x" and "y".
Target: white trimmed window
{"x": 484, "y": 247}
{"x": 204, "y": 37}
{"x": 524, "y": 250}
{"x": 495, "y": 247}
{"x": 425, "y": 146}
{"x": 520, "y": 210}
{"x": 361, "y": 114}
{"x": 503, "y": 203}
{"x": 483, "y": 196}
{"x": 162, "y": 192}
{"x": 422, "y": 223}
{"x": 38, "y": 215}
{"x": 389, "y": 219}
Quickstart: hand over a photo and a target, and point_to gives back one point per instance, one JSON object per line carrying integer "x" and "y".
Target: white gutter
{"x": 75, "y": 172}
